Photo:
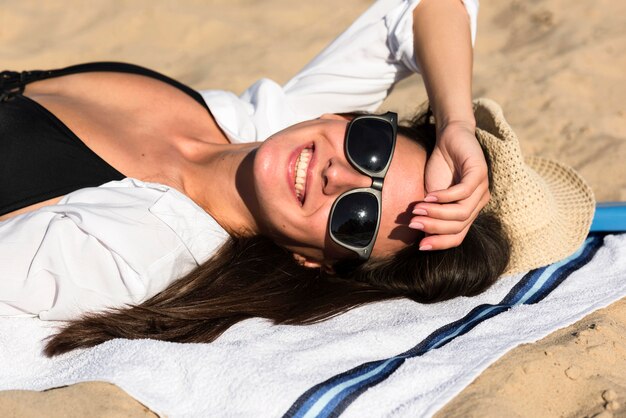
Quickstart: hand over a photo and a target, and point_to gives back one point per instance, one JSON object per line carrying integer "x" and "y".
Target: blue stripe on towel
{"x": 332, "y": 397}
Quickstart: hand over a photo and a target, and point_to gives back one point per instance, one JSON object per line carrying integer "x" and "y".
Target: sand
{"x": 557, "y": 67}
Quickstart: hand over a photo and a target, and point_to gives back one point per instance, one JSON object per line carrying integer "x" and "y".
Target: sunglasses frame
{"x": 375, "y": 188}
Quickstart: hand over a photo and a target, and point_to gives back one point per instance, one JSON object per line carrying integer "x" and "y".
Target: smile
{"x": 300, "y": 173}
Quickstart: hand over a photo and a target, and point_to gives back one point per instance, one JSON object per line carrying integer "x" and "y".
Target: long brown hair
{"x": 253, "y": 277}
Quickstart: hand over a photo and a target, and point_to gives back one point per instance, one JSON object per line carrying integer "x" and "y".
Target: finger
{"x": 434, "y": 227}
{"x": 457, "y": 211}
{"x": 470, "y": 182}
{"x": 443, "y": 242}
{"x": 444, "y": 227}
{"x": 437, "y": 226}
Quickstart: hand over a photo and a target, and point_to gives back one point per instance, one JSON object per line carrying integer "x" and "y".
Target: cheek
{"x": 265, "y": 167}
{"x": 305, "y": 235}
{"x": 404, "y": 187}
{"x": 270, "y": 186}
{"x": 395, "y": 238}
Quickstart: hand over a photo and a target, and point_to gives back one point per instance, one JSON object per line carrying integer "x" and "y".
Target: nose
{"x": 339, "y": 176}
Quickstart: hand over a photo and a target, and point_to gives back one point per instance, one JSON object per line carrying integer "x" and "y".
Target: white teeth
{"x": 302, "y": 163}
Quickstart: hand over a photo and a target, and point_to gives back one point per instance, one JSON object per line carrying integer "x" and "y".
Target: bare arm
{"x": 443, "y": 50}
{"x": 456, "y": 173}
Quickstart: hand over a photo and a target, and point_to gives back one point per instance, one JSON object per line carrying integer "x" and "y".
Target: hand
{"x": 457, "y": 188}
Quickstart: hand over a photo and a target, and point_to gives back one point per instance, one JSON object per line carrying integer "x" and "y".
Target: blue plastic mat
{"x": 609, "y": 216}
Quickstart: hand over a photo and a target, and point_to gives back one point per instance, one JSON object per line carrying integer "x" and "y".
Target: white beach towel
{"x": 393, "y": 358}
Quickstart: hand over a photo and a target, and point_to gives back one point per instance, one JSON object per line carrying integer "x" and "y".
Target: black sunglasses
{"x": 355, "y": 216}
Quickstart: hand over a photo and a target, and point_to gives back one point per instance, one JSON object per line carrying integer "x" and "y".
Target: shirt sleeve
{"x": 355, "y": 72}
{"x": 98, "y": 248}
{"x": 359, "y": 69}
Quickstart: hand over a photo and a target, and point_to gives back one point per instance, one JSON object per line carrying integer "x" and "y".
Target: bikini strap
{"x": 13, "y": 83}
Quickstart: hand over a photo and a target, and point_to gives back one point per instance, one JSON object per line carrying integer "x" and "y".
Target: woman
{"x": 175, "y": 155}
{"x": 252, "y": 275}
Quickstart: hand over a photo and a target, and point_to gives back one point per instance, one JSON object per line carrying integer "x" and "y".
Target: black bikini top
{"x": 40, "y": 157}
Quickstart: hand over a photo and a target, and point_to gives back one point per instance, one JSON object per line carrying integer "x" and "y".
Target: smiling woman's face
{"x": 298, "y": 221}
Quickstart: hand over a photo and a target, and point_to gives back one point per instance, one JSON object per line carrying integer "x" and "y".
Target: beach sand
{"x": 556, "y": 67}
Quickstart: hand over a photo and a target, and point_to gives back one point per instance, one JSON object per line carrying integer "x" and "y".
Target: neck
{"x": 220, "y": 181}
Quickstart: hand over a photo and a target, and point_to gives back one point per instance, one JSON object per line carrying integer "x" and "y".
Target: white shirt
{"x": 127, "y": 240}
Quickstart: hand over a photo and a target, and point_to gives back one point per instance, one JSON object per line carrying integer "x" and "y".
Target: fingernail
{"x": 426, "y": 247}
{"x": 420, "y": 212}
{"x": 430, "y": 199}
{"x": 416, "y": 225}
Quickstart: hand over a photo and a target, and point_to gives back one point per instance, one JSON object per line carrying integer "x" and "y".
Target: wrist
{"x": 457, "y": 115}
{"x": 465, "y": 124}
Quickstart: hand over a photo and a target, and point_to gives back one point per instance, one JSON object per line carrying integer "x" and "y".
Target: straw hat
{"x": 546, "y": 207}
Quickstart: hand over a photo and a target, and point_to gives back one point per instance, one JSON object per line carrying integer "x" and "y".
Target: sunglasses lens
{"x": 369, "y": 143}
{"x": 354, "y": 219}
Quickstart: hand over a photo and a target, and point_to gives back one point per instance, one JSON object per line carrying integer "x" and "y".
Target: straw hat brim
{"x": 545, "y": 207}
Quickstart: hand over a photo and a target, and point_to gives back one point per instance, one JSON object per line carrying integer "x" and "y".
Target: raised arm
{"x": 456, "y": 173}
{"x": 390, "y": 41}
{"x": 354, "y": 72}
